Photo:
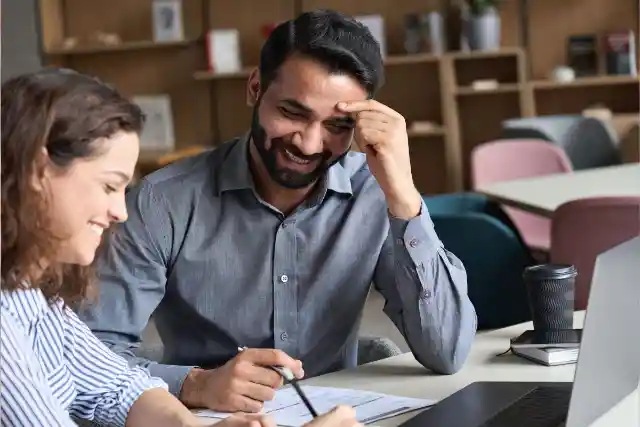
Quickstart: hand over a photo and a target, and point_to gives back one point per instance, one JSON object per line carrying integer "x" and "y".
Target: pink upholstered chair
{"x": 509, "y": 159}
{"x": 582, "y": 229}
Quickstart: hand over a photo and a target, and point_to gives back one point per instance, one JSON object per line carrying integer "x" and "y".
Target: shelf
{"x": 419, "y": 58}
{"x": 120, "y": 47}
{"x": 501, "y": 88}
{"x": 585, "y": 82}
{"x": 389, "y": 61}
{"x": 485, "y": 54}
{"x": 426, "y": 133}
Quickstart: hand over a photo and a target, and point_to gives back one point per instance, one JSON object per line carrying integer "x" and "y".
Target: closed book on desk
{"x": 548, "y": 356}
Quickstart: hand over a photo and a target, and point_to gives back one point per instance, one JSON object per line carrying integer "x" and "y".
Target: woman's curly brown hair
{"x": 53, "y": 115}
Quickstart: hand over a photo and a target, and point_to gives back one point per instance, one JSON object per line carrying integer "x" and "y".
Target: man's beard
{"x": 288, "y": 178}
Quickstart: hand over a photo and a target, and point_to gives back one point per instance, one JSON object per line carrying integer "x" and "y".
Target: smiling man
{"x": 272, "y": 241}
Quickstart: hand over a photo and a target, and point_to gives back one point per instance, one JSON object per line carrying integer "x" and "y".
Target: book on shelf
{"x": 548, "y": 356}
{"x": 620, "y": 53}
{"x": 582, "y": 54}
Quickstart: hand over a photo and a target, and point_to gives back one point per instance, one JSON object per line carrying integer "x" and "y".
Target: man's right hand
{"x": 243, "y": 384}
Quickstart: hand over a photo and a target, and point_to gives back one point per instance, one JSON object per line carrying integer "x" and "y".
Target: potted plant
{"x": 483, "y": 24}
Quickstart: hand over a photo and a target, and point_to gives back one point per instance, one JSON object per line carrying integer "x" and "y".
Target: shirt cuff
{"x": 173, "y": 375}
{"x": 416, "y": 235}
{"x": 140, "y": 381}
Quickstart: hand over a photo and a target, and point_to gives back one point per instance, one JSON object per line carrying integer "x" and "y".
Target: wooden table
{"x": 543, "y": 195}
{"x": 403, "y": 376}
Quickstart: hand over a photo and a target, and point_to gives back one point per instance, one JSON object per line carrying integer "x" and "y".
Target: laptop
{"x": 607, "y": 371}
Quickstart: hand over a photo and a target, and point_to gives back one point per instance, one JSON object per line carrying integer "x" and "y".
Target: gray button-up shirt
{"x": 220, "y": 268}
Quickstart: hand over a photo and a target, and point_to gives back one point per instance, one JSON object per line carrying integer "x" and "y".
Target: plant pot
{"x": 483, "y": 31}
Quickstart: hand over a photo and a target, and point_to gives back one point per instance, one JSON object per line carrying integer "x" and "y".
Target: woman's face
{"x": 88, "y": 196}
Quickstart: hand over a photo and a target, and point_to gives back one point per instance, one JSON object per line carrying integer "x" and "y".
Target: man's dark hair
{"x": 336, "y": 40}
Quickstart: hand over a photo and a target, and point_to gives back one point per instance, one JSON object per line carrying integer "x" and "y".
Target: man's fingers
{"x": 372, "y": 124}
{"x": 273, "y": 357}
{"x": 246, "y": 404}
{"x": 265, "y": 376}
{"x": 258, "y": 392}
{"x": 375, "y": 116}
{"x": 368, "y": 105}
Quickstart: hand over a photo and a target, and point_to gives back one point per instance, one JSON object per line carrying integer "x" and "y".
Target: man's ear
{"x": 253, "y": 88}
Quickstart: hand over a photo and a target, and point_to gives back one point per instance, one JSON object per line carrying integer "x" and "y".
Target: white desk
{"x": 543, "y": 195}
{"x": 403, "y": 376}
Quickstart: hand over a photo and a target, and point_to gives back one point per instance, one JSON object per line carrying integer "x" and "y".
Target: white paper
{"x": 288, "y": 410}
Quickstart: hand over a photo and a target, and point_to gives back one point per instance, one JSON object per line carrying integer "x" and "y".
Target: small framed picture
{"x": 167, "y": 20}
{"x": 158, "y": 132}
{"x": 223, "y": 51}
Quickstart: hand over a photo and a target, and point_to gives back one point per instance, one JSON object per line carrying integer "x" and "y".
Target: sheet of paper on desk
{"x": 288, "y": 410}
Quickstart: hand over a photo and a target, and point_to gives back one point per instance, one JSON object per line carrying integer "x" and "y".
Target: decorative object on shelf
{"x": 223, "y": 51}
{"x": 563, "y": 74}
{"x": 620, "y": 53}
{"x": 158, "y": 133}
{"x": 167, "y": 21}
{"x": 413, "y": 41}
{"x": 424, "y": 127}
{"x": 267, "y": 29}
{"x": 485, "y": 84}
{"x": 375, "y": 23}
{"x": 582, "y": 54}
{"x": 105, "y": 39}
{"x": 424, "y": 33}
{"x": 69, "y": 43}
{"x": 483, "y": 24}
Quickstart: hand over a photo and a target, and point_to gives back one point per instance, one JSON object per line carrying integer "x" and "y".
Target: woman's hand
{"x": 341, "y": 416}
{"x": 246, "y": 420}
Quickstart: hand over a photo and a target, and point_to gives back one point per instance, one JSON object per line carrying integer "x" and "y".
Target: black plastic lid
{"x": 550, "y": 272}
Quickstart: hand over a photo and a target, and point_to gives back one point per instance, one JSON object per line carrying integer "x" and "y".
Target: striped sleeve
{"x": 25, "y": 397}
{"x": 107, "y": 387}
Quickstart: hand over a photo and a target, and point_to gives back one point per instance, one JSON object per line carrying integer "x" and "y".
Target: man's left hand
{"x": 381, "y": 133}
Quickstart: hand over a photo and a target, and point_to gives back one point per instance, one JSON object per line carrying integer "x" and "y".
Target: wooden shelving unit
{"x": 209, "y": 108}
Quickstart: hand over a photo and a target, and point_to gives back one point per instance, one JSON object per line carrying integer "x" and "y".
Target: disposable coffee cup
{"x": 551, "y": 293}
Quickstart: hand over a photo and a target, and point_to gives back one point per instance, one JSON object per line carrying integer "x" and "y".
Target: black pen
{"x": 288, "y": 377}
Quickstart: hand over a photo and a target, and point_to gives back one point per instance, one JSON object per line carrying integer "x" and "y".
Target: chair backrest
{"x": 492, "y": 254}
{"x": 505, "y": 160}
{"x": 582, "y": 229}
{"x": 508, "y": 159}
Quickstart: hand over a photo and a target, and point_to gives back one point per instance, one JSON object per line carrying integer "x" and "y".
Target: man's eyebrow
{"x": 298, "y": 105}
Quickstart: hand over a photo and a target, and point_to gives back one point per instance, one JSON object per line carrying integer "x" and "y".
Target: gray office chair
{"x": 589, "y": 142}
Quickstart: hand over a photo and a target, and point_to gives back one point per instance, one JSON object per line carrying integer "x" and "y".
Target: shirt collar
{"x": 234, "y": 173}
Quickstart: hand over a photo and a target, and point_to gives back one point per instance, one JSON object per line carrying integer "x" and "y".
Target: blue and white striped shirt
{"x": 52, "y": 367}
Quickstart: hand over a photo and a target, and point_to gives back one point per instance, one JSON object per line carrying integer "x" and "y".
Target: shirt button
{"x": 284, "y": 225}
{"x": 425, "y": 294}
{"x": 284, "y": 336}
{"x": 284, "y": 278}
{"x": 414, "y": 243}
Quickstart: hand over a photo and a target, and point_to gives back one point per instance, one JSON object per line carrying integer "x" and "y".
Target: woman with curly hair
{"x": 69, "y": 148}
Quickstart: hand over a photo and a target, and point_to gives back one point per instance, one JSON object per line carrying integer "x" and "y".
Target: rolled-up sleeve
{"x": 107, "y": 386}
{"x": 425, "y": 286}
